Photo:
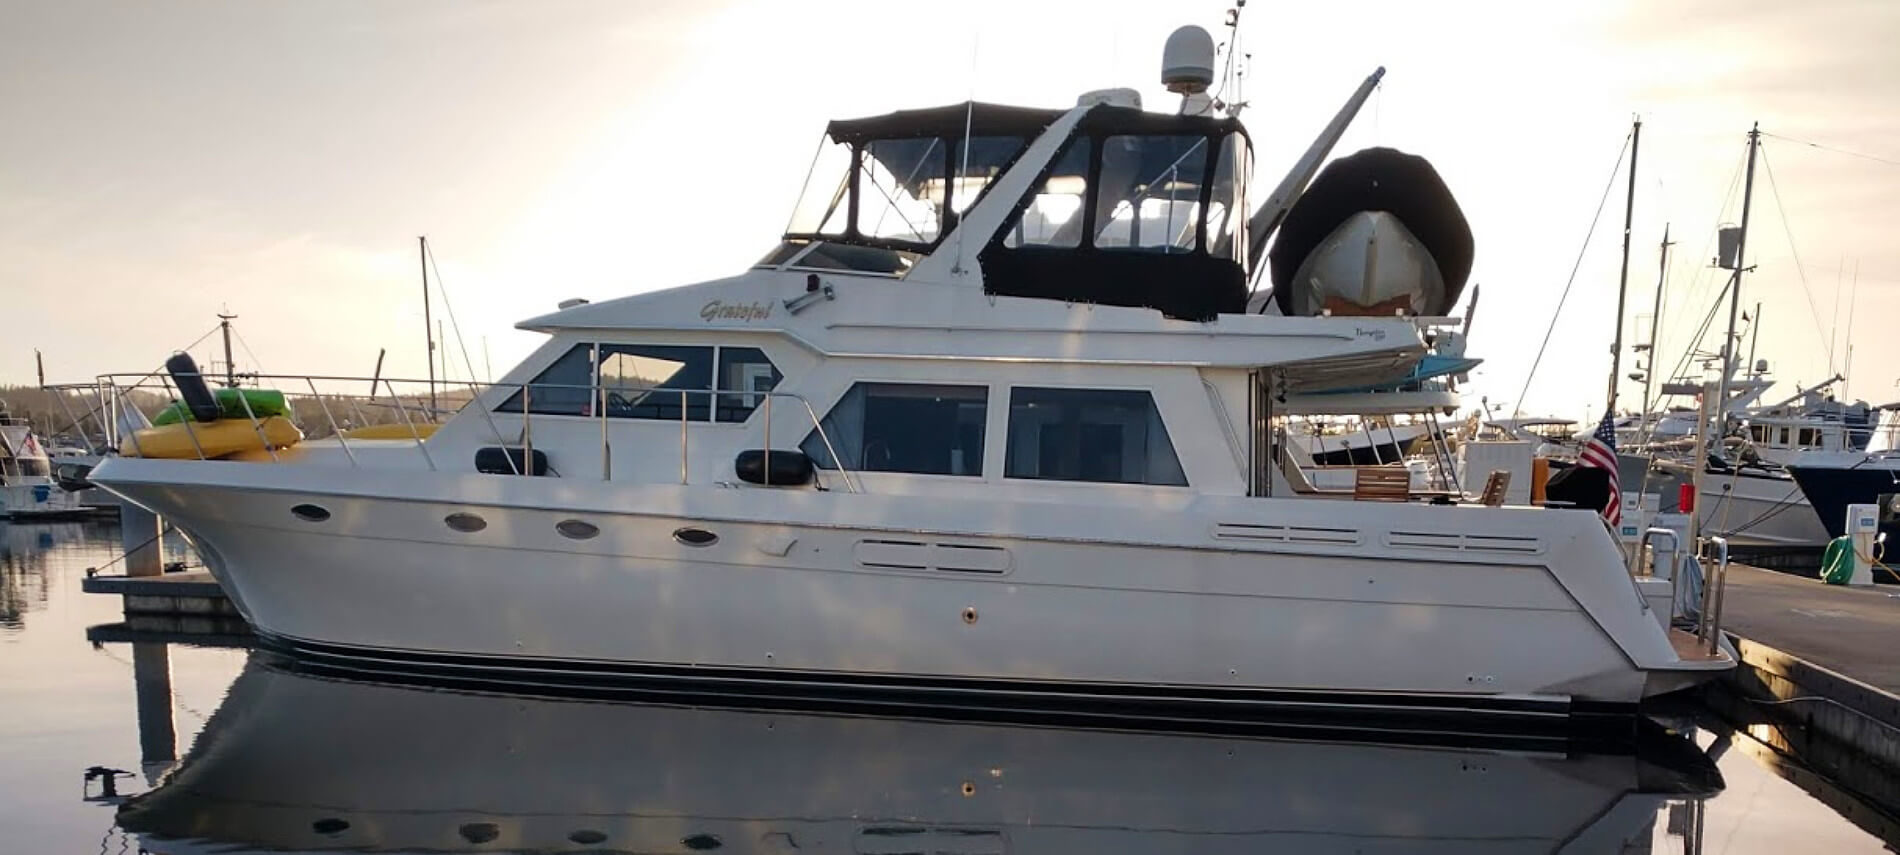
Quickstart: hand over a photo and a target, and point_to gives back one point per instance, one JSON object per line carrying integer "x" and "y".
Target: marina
{"x": 1091, "y": 462}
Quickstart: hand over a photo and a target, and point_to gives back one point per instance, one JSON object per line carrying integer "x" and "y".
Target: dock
{"x": 193, "y": 593}
{"x": 1819, "y": 676}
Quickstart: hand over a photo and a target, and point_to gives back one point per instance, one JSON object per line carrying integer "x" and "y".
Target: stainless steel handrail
{"x": 117, "y": 389}
{"x": 1714, "y": 583}
{"x": 1675, "y": 546}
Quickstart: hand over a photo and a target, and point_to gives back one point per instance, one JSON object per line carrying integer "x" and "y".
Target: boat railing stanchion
{"x": 824, "y": 437}
{"x": 341, "y": 440}
{"x": 475, "y": 396}
{"x": 121, "y": 400}
{"x": 527, "y": 432}
{"x": 768, "y": 437}
{"x": 1714, "y": 581}
{"x": 187, "y": 417}
{"x": 404, "y": 412}
{"x": 257, "y": 426}
{"x": 600, "y": 411}
{"x": 684, "y": 421}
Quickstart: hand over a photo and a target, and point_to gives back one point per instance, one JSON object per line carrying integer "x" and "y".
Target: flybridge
{"x": 1104, "y": 204}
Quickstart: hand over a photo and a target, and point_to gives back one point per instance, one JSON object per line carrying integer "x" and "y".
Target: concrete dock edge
{"x": 1841, "y": 727}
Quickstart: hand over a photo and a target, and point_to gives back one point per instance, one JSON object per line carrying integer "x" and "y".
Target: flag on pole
{"x": 1600, "y": 453}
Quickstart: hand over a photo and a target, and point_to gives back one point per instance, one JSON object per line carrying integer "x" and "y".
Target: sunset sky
{"x": 161, "y": 161}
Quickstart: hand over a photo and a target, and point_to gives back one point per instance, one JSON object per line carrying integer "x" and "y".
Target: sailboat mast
{"x": 1623, "y": 280}
{"x": 1655, "y": 318}
{"x": 428, "y": 325}
{"x": 1735, "y": 282}
{"x": 230, "y": 368}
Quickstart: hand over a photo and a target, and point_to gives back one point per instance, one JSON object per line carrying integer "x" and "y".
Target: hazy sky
{"x": 159, "y": 161}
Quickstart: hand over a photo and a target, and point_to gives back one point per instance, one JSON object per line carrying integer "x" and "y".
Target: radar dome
{"x": 1187, "y": 61}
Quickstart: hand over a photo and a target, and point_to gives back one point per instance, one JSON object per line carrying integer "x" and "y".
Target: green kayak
{"x": 264, "y": 403}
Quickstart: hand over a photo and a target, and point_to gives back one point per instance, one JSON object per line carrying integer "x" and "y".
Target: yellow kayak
{"x": 391, "y": 431}
{"x": 214, "y": 439}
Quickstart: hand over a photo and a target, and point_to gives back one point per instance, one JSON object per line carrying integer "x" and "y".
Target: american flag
{"x": 1600, "y": 453}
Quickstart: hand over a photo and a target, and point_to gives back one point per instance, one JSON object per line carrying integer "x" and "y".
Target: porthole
{"x": 466, "y": 523}
{"x": 695, "y": 536}
{"x": 309, "y": 513}
{"x": 586, "y": 836}
{"x": 701, "y": 842}
{"x": 577, "y": 530}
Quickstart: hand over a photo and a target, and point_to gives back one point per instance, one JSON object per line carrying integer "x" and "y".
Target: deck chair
{"x": 1494, "y": 488}
{"x": 1382, "y": 484}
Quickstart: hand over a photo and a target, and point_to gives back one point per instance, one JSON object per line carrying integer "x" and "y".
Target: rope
{"x": 128, "y": 553}
{"x": 1578, "y": 265}
{"x": 1813, "y": 310}
{"x": 1833, "y": 149}
{"x": 461, "y": 343}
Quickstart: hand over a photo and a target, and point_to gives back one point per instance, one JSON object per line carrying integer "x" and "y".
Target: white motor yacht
{"x": 28, "y": 490}
{"x": 994, "y": 418}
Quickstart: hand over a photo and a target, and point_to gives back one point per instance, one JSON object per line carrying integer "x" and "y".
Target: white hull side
{"x": 39, "y": 498}
{"x": 409, "y": 769}
{"x": 1759, "y": 512}
{"x": 795, "y": 598}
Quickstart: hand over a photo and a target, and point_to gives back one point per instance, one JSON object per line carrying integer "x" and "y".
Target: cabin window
{"x": 653, "y": 381}
{"x": 564, "y": 388}
{"x": 1098, "y": 435}
{"x": 1758, "y": 433}
{"x": 1054, "y": 214}
{"x": 901, "y": 189}
{"x": 1810, "y": 437}
{"x": 656, "y": 381}
{"x": 1784, "y": 436}
{"x": 750, "y": 373}
{"x": 1150, "y": 192}
{"x": 923, "y": 429}
{"x": 824, "y": 206}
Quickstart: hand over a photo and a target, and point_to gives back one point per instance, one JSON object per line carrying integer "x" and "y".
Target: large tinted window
{"x": 655, "y": 381}
{"x": 1089, "y": 435}
{"x": 563, "y": 389}
{"x": 905, "y": 427}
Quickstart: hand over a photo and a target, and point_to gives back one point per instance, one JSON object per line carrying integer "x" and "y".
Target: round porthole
{"x": 695, "y": 536}
{"x": 466, "y": 523}
{"x": 309, "y": 513}
{"x": 577, "y": 530}
{"x": 700, "y": 842}
{"x": 586, "y": 837}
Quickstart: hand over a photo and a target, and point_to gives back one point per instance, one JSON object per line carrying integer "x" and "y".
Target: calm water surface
{"x": 264, "y": 756}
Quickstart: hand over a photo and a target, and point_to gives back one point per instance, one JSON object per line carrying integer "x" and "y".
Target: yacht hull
{"x": 1751, "y": 510}
{"x": 1832, "y": 489}
{"x": 828, "y": 591}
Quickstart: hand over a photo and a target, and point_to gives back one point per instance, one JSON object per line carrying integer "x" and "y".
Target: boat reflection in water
{"x": 301, "y": 761}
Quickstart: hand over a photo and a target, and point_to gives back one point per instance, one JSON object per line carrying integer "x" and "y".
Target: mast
{"x": 230, "y": 368}
{"x": 1735, "y": 282}
{"x": 1623, "y": 280}
{"x": 1655, "y": 318}
{"x": 428, "y": 326}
